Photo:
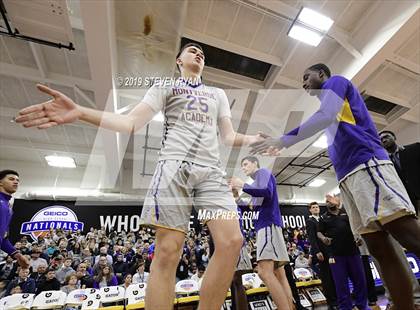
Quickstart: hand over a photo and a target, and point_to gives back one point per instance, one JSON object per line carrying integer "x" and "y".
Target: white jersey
{"x": 191, "y": 116}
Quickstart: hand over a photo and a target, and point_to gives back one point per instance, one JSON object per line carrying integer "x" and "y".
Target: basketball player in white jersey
{"x": 188, "y": 172}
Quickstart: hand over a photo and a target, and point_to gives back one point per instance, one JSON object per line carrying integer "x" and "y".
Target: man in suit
{"x": 320, "y": 256}
{"x": 406, "y": 160}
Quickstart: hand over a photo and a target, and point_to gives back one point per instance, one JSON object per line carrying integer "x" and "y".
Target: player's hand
{"x": 269, "y": 146}
{"x": 334, "y": 200}
{"x": 320, "y": 256}
{"x": 331, "y": 260}
{"x": 22, "y": 260}
{"x": 236, "y": 183}
{"x": 59, "y": 110}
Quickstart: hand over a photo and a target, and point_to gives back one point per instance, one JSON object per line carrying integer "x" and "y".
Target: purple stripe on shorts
{"x": 376, "y": 189}
{"x": 387, "y": 185}
{"x": 266, "y": 241}
{"x": 156, "y": 191}
{"x": 274, "y": 248}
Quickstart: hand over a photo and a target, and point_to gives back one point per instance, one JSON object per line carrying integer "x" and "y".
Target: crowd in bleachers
{"x": 64, "y": 260}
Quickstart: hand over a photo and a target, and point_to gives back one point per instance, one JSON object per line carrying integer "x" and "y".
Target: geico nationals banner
{"x": 33, "y": 217}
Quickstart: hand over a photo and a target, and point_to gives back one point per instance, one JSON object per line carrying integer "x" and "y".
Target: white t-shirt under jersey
{"x": 191, "y": 116}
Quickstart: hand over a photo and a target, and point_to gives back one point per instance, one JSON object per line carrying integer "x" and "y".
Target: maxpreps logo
{"x": 55, "y": 217}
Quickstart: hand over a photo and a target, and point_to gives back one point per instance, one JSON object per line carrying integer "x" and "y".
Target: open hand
{"x": 59, "y": 110}
{"x": 268, "y": 146}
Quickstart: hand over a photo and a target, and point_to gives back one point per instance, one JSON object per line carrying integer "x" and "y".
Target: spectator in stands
{"x": 141, "y": 276}
{"x": 182, "y": 269}
{"x": 64, "y": 270}
{"x": 86, "y": 254}
{"x": 105, "y": 278}
{"x": 147, "y": 261}
{"x": 101, "y": 263}
{"x": 23, "y": 280}
{"x": 57, "y": 261}
{"x": 8, "y": 269}
{"x": 50, "y": 283}
{"x": 192, "y": 269}
{"x": 104, "y": 252}
{"x": 71, "y": 283}
{"x": 52, "y": 247}
{"x": 120, "y": 267}
{"x": 36, "y": 260}
{"x": 127, "y": 281}
{"x": 40, "y": 274}
{"x": 84, "y": 278}
{"x": 301, "y": 261}
{"x": 199, "y": 274}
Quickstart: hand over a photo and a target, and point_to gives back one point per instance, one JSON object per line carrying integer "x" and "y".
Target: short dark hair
{"x": 201, "y": 268}
{"x": 321, "y": 67}
{"x": 185, "y": 46}
{"x": 388, "y": 132}
{"x": 3, "y": 173}
{"x": 251, "y": 159}
{"x": 312, "y": 204}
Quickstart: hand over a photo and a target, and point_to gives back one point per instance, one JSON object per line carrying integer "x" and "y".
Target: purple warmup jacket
{"x": 5, "y": 218}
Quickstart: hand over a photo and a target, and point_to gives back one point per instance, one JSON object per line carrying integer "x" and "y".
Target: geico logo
{"x": 58, "y": 213}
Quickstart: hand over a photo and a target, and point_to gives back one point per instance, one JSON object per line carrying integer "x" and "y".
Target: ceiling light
{"x": 305, "y": 35}
{"x": 158, "y": 117}
{"x": 310, "y": 27}
{"x": 314, "y": 19}
{"x": 60, "y": 161}
{"x": 321, "y": 142}
{"x": 317, "y": 183}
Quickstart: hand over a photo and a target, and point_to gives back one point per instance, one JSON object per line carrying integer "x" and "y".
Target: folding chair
{"x": 49, "y": 300}
{"x": 134, "y": 296}
{"x": 17, "y": 301}
{"x": 303, "y": 274}
{"x": 75, "y": 298}
{"x": 112, "y": 298}
{"x": 251, "y": 280}
{"x": 92, "y": 302}
{"x": 187, "y": 288}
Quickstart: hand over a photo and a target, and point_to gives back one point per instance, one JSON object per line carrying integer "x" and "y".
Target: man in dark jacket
{"x": 345, "y": 261}
{"x": 320, "y": 256}
{"x": 120, "y": 267}
{"x": 50, "y": 283}
{"x": 406, "y": 160}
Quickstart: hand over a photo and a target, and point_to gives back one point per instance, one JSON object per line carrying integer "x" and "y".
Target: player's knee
{"x": 167, "y": 253}
{"x": 231, "y": 243}
{"x": 264, "y": 272}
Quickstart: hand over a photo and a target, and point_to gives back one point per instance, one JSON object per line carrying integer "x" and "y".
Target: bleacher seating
{"x": 49, "y": 300}
{"x": 134, "y": 296}
{"x": 17, "y": 302}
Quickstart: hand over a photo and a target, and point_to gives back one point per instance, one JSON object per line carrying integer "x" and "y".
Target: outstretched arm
{"x": 62, "y": 110}
{"x": 232, "y": 138}
{"x": 332, "y": 98}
